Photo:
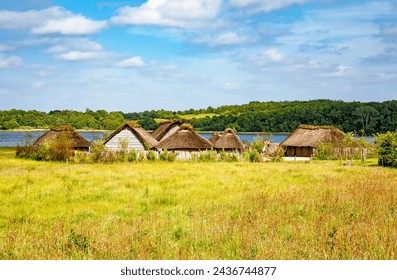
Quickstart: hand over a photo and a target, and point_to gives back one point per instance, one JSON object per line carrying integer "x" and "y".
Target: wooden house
{"x": 78, "y": 142}
{"x": 304, "y": 140}
{"x": 135, "y": 137}
{"x": 165, "y": 129}
{"x": 185, "y": 141}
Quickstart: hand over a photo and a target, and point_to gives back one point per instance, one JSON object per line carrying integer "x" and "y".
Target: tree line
{"x": 364, "y": 118}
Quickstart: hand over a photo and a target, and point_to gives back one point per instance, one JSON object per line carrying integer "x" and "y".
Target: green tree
{"x": 365, "y": 114}
{"x": 387, "y": 148}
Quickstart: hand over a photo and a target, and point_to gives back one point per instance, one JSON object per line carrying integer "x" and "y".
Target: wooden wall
{"x": 133, "y": 142}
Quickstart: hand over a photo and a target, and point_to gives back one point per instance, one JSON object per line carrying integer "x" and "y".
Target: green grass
{"x": 182, "y": 210}
{"x": 197, "y": 116}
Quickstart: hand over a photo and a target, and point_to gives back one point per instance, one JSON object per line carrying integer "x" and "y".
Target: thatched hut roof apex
{"x": 229, "y": 140}
{"x": 214, "y": 137}
{"x": 78, "y": 141}
{"x": 62, "y": 128}
{"x": 164, "y": 127}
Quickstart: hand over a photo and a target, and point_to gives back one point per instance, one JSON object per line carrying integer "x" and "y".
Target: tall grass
{"x": 194, "y": 210}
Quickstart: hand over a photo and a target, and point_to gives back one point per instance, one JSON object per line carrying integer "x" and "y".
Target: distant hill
{"x": 358, "y": 117}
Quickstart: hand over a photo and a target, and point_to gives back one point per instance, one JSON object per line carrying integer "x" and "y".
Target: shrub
{"x": 324, "y": 151}
{"x": 167, "y": 156}
{"x": 141, "y": 157}
{"x": 223, "y": 155}
{"x": 278, "y": 155}
{"x": 255, "y": 156}
{"x": 151, "y": 155}
{"x": 387, "y": 149}
{"x": 61, "y": 147}
{"x": 133, "y": 156}
{"x": 122, "y": 153}
{"x": 97, "y": 150}
{"x": 258, "y": 144}
{"x": 208, "y": 156}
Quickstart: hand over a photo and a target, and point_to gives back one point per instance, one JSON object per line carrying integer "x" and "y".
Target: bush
{"x": 97, "y": 150}
{"x": 167, "y": 156}
{"x": 387, "y": 149}
{"x": 324, "y": 151}
{"x": 278, "y": 155}
{"x": 258, "y": 144}
{"x": 255, "y": 156}
{"x": 133, "y": 156}
{"x": 151, "y": 155}
{"x": 61, "y": 147}
{"x": 208, "y": 156}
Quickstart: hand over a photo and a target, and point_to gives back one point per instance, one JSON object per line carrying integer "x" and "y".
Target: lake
{"x": 14, "y": 138}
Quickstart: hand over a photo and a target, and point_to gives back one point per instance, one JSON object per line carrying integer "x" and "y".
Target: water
{"x": 15, "y": 138}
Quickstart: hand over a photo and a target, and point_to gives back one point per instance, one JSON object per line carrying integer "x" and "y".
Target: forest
{"x": 363, "y": 118}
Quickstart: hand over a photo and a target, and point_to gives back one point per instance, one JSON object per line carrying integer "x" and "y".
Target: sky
{"x": 133, "y": 56}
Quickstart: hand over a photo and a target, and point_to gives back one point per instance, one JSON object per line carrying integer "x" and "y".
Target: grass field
{"x": 182, "y": 210}
{"x": 197, "y": 116}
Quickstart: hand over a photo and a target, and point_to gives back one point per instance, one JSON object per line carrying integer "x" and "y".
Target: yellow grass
{"x": 289, "y": 210}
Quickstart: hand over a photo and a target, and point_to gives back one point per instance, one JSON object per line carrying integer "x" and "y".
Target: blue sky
{"x": 180, "y": 54}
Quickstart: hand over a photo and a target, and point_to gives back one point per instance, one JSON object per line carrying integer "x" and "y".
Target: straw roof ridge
{"x": 78, "y": 141}
{"x": 312, "y": 136}
{"x": 229, "y": 140}
{"x": 185, "y": 138}
{"x": 163, "y": 128}
{"x": 62, "y": 128}
{"x": 314, "y": 127}
{"x": 142, "y": 135}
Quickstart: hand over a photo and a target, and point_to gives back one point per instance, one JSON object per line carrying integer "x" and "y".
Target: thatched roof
{"x": 214, "y": 137}
{"x": 78, "y": 141}
{"x": 312, "y": 136}
{"x": 163, "y": 128}
{"x": 229, "y": 140}
{"x": 142, "y": 135}
{"x": 185, "y": 138}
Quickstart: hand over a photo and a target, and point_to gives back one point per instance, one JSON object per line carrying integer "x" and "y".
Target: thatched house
{"x": 269, "y": 148}
{"x": 214, "y": 137}
{"x": 228, "y": 141}
{"x": 135, "y": 137}
{"x": 185, "y": 141}
{"x": 78, "y": 142}
{"x": 304, "y": 140}
{"x": 165, "y": 129}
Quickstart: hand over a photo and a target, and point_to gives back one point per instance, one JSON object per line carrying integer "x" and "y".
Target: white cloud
{"x": 54, "y": 20}
{"x": 273, "y": 54}
{"x": 135, "y": 61}
{"x": 78, "y": 49}
{"x": 78, "y": 56}
{"x": 38, "y": 85}
{"x": 75, "y": 25}
{"x": 9, "y": 62}
{"x": 223, "y": 39}
{"x": 264, "y": 5}
{"x": 232, "y": 85}
{"x": 174, "y": 13}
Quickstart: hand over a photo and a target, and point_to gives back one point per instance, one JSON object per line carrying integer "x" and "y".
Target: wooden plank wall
{"x": 133, "y": 142}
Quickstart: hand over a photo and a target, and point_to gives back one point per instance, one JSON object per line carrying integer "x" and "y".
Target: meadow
{"x": 192, "y": 210}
